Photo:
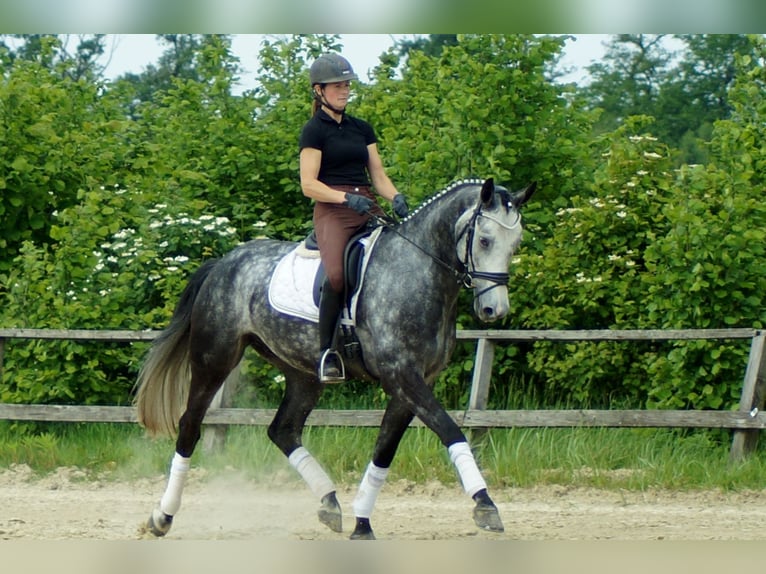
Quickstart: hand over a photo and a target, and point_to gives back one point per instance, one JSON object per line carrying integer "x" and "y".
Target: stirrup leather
{"x": 325, "y": 378}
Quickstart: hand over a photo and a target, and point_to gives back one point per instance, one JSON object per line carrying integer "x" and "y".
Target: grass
{"x": 633, "y": 459}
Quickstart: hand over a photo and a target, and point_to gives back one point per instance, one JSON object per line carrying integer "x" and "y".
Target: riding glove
{"x": 358, "y": 203}
{"x": 400, "y": 206}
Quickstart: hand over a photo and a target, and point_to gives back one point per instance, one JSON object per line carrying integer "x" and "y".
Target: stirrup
{"x": 334, "y": 373}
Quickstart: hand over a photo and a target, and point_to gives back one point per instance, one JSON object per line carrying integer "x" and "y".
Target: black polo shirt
{"x": 343, "y": 146}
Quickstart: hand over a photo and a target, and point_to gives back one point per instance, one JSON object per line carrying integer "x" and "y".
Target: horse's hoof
{"x": 330, "y": 514}
{"x": 159, "y": 523}
{"x": 363, "y": 530}
{"x": 487, "y": 517}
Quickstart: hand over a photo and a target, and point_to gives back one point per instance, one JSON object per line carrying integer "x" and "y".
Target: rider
{"x": 339, "y": 161}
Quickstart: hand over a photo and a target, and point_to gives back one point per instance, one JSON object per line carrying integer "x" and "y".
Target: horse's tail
{"x": 164, "y": 378}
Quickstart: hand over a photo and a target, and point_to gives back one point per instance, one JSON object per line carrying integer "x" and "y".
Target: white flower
{"x": 652, "y": 155}
{"x": 621, "y": 214}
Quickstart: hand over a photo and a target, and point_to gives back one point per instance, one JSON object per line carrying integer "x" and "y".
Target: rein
{"x": 388, "y": 223}
{"x": 467, "y": 276}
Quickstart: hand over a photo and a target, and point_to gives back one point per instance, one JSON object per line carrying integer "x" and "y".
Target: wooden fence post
{"x": 752, "y": 399}
{"x": 482, "y": 373}
{"x": 215, "y": 435}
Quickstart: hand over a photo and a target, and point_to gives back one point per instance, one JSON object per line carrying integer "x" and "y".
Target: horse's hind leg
{"x": 395, "y": 422}
{"x": 207, "y": 378}
{"x": 301, "y": 395}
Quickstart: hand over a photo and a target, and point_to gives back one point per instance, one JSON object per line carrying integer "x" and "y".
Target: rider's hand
{"x": 400, "y": 206}
{"x": 358, "y": 203}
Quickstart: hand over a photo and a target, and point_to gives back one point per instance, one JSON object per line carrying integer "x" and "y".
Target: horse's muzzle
{"x": 491, "y": 304}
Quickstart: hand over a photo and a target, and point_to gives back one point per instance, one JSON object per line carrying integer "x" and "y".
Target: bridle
{"x": 468, "y": 273}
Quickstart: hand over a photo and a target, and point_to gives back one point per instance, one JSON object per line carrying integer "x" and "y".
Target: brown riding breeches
{"x": 335, "y": 224}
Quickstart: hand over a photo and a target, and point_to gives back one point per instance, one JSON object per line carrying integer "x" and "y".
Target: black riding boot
{"x": 330, "y": 368}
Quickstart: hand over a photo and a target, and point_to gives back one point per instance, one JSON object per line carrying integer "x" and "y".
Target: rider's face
{"x": 337, "y": 94}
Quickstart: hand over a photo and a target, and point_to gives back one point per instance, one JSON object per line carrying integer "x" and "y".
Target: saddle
{"x": 352, "y": 263}
{"x": 296, "y": 281}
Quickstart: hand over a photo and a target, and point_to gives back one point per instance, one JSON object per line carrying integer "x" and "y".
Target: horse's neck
{"x": 434, "y": 228}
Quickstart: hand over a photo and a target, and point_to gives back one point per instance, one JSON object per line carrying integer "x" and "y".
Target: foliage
{"x": 482, "y": 106}
{"x": 120, "y": 261}
{"x": 685, "y": 91}
{"x": 112, "y": 193}
{"x": 54, "y": 141}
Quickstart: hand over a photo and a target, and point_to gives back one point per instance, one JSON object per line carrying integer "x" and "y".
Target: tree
{"x": 57, "y": 137}
{"x": 629, "y": 80}
{"x": 430, "y": 46}
{"x": 696, "y": 92}
{"x": 54, "y": 51}
{"x": 177, "y": 62}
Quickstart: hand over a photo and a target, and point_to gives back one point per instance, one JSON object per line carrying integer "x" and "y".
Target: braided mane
{"x": 455, "y": 185}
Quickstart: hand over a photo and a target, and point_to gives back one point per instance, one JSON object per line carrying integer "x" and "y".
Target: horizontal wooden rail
{"x": 745, "y": 422}
{"x": 116, "y": 336}
{"x": 372, "y": 418}
{"x": 498, "y": 335}
{"x": 605, "y": 334}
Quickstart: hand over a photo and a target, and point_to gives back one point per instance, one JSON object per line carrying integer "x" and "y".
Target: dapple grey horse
{"x": 405, "y": 323}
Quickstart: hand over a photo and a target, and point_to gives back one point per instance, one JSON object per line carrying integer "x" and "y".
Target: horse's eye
{"x": 484, "y": 242}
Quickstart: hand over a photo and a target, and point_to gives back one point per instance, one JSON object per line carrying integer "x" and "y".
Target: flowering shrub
{"x": 119, "y": 262}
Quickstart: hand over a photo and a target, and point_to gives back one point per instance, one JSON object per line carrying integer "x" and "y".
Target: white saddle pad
{"x": 291, "y": 289}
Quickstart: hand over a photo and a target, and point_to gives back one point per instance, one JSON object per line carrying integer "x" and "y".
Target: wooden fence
{"x": 744, "y": 422}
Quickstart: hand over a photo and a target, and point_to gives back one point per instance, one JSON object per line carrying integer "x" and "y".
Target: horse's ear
{"x": 488, "y": 191}
{"x": 521, "y": 197}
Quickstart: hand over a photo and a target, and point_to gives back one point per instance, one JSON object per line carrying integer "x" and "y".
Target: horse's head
{"x": 488, "y": 235}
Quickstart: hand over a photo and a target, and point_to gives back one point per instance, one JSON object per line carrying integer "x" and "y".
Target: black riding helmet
{"x": 330, "y": 68}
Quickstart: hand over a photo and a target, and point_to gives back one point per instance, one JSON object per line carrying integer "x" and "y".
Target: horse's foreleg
{"x": 301, "y": 395}
{"x": 422, "y": 401}
{"x": 395, "y": 422}
{"x": 485, "y": 513}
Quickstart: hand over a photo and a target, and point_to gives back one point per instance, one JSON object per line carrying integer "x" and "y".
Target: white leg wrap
{"x": 461, "y": 456}
{"x": 307, "y": 466}
{"x": 171, "y": 500}
{"x": 372, "y": 482}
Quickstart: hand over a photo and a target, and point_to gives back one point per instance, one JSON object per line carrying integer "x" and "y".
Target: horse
{"x": 405, "y": 324}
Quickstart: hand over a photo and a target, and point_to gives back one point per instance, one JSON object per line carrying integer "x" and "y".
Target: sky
{"x": 133, "y": 52}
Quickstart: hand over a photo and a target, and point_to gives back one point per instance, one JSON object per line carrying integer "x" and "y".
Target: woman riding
{"x": 339, "y": 167}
